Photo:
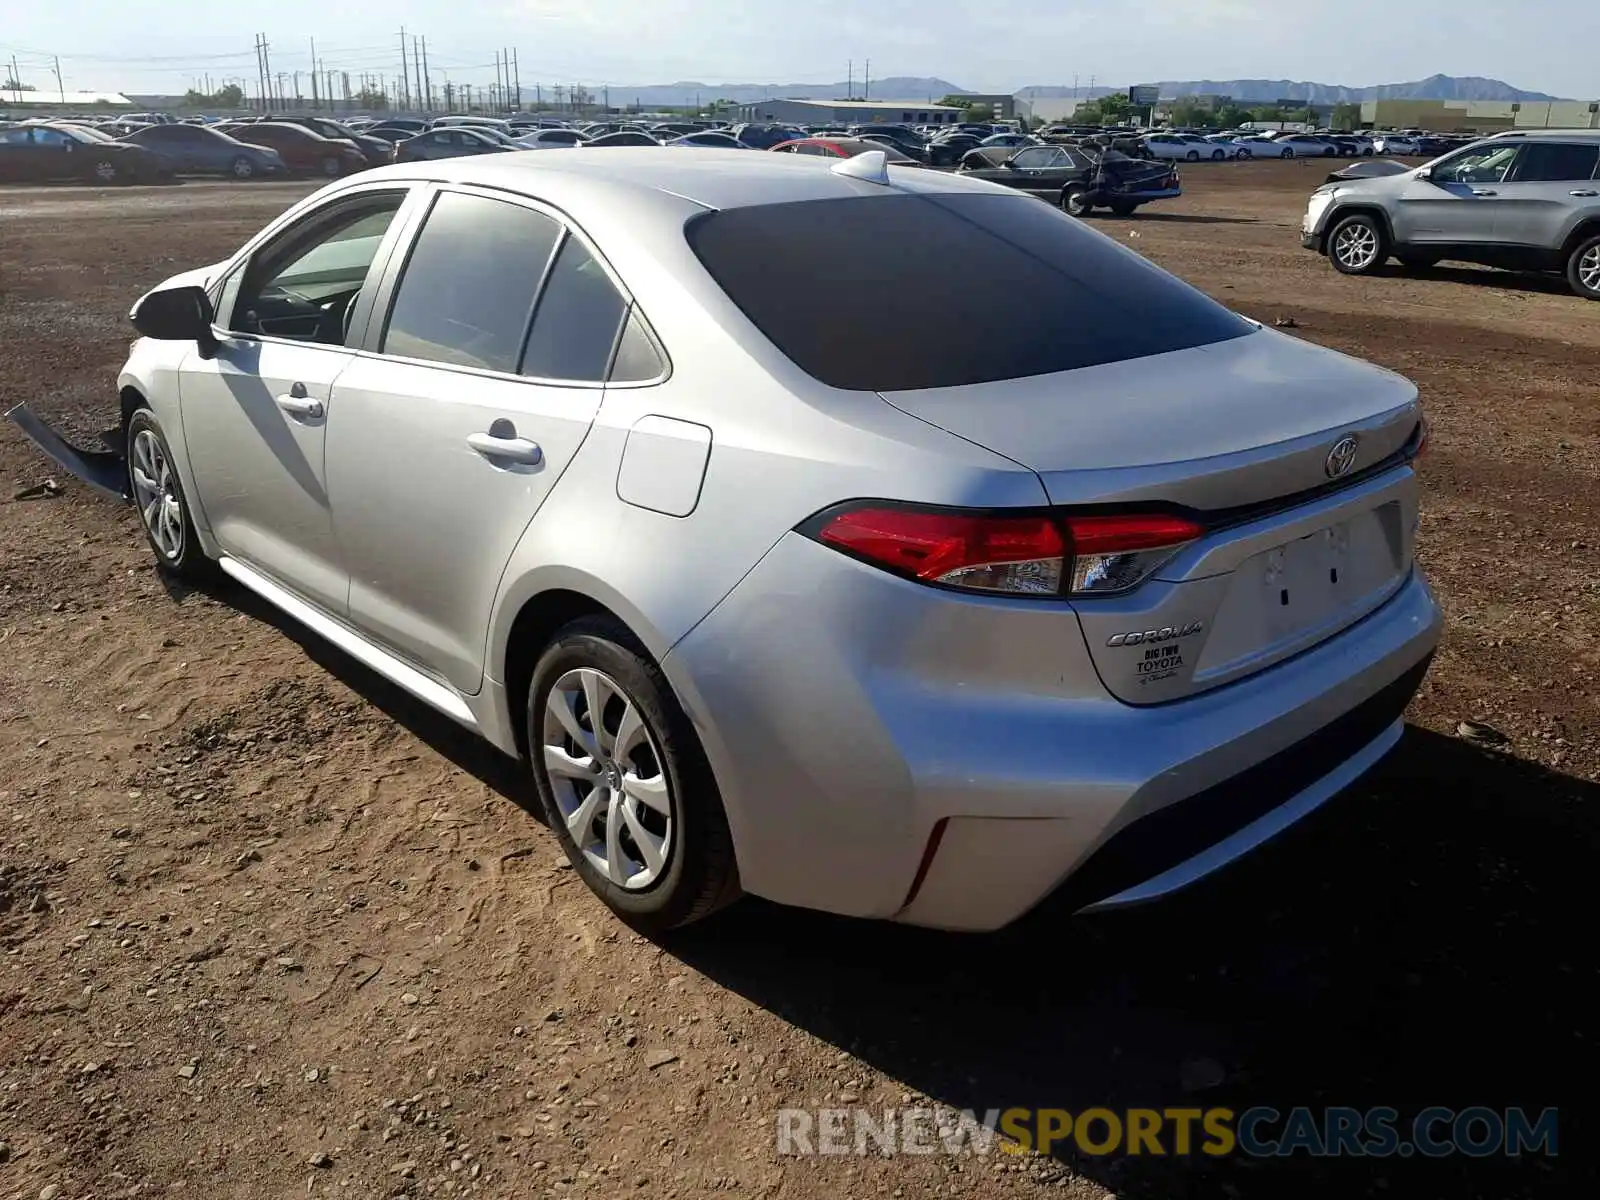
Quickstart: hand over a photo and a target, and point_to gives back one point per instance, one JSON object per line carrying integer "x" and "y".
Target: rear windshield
{"x": 962, "y": 288}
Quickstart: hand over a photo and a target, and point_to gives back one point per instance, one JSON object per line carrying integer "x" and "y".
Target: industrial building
{"x": 848, "y": 112}
{"x": 1480, "y": 116}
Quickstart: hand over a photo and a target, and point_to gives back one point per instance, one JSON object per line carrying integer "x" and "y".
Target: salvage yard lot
{"x": 268, "y": 927}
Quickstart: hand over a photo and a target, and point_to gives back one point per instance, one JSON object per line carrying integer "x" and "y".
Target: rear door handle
{"x": 298, "y": 404}
{"x": 513, "y": 449}
{"x": 1584, "y": 192}
{"x": 1480, "y": 192}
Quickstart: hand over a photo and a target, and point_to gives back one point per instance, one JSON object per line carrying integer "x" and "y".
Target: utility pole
{"x": 316, "y": 90}
{"x": 427, "y": 80}
{"x": 497, "y": 70}
{"x": 260, "y": 73}
{"x": 266, "y": 68}
{"x": 866, "y": 82}
{"x": 405, "y": 69}
{"x": 61, "y": 88}
{"x": 850, "y": 86}
{"x": 516, "y": 76}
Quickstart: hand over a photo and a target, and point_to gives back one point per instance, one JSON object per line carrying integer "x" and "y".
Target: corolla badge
{"x": 1342, "y": 457}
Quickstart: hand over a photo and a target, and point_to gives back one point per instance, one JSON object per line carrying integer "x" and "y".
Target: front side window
{"x": 469, "y": 285}
{"x": 1480, "y": 164}
{"x": 1556, "y": 162}
{"x": 303, "y": 284}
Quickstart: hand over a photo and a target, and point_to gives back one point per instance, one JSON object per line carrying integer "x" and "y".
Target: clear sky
{"x": 998, "y": 45}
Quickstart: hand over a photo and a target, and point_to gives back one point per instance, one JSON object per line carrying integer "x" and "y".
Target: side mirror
{"x": 1424, "y": 173}
{"x": 180, "y": 314}
{"x": 1009, "y": 165}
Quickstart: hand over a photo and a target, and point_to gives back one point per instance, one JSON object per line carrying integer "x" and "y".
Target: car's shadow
{"x": 1517, "y": 281}
{"x": 1421, "y": 940}
{"x": 1144, "y": 215}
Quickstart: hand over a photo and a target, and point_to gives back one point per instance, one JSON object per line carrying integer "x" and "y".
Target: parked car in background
{"x": 1396, "y": 143}
{"x": 623, "y": 137}
{"x": 1259, "y": 146}
{"x": 1008, "y": 140}
{"x": 901, "y": 138}
{"x": 378, "y": 152}
{"x": 778, "y": 579}
{"x": 1076, "y": 178}
{"x": 842, "y": 147}
{"x": 1522, "y": 201}
{"x": 203, "y": 150}
{"x": 948, "y": 149}
{"x": 551, "y": 139}
{"x": 448, "y": 142}
{"x": 1368, "y": 168}
{"x": 708, "y": 138}
{"x": 302, "y": 151}
{"x": 1226, "y": 145}
{"x": 1172, "y": 146}
{"x": 49, "y": 153}
{"x": 1306, "y": 145}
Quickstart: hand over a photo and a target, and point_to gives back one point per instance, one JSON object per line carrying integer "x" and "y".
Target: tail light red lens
{"x": 1033, "y": 555}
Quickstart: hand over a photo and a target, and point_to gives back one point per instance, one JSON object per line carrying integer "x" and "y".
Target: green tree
{"x": 1345, "y": 116}
{"x": 16, "y": 85}
{"x": 372, "y": 99}
{"x": 978, "y": 113}
{"x": 1187, "y": 113}
{"x": 953, "y": 100}
{"x": 1116, "y": 106}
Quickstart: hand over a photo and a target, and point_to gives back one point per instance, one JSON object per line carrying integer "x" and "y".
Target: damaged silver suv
{"x": 1521, "y": 200}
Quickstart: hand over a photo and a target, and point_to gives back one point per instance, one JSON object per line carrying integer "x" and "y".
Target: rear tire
{"x": 1218, "y": 155}
{"x": 1123, "y": 209}
{"x": 631, "y": 797}
{"x": 1357, "y": 245}
{"x": 159, "y": 500}
{"x": 330, "y": 167}
{"x": 1193, "y": 156}
{"x": 1076, "y": 200}
{"x": 1583, "y": 268}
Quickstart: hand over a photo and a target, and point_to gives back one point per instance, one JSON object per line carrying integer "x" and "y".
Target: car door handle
{"x": 1584, "y": 192}
{"x": 513, "y": 448}
{"x": 1483, "y": 192}
{"x": 297, "y": 403}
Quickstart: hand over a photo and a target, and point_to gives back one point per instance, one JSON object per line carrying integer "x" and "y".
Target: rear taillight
{"x": 1051, "y": 554}
{"x": 1422, "y": 438}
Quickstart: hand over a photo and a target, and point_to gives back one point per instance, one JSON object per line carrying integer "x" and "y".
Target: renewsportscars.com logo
{"x": 1259, "y": 1132}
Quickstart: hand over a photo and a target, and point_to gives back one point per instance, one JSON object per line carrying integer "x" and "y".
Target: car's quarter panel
{"x": 258, "y": 471}
{"x": 425, "y": 521}
{"x": 847, "y": 711}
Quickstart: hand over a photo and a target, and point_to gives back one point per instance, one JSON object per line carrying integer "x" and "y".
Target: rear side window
{"x": 469, "y": 285}
{"x": 1556, "y": 162}
{"x": 1012, "y": 287}
{"x": 575, "y": 327}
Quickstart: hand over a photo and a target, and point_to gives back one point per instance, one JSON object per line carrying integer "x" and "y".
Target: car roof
{"x": 716, "y": 179}
{"x": 1560, "y": 135}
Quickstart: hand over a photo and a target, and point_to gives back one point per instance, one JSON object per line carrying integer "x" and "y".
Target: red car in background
{"x": 302, "y": 151}
{"x": 839, "y": 147}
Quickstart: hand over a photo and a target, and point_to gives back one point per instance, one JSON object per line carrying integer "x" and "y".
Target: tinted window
{"x": 1551, "y": 162}
{"x": 576, "y": 324}
{"x": 1033, "y": 160}
{"x": 470, "y": 283}
{"x": 1040, "y": 292}
{"x": 637, "y": 360}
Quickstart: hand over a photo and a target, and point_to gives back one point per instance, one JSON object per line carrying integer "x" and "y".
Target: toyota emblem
{"x": 1342, "y": 457}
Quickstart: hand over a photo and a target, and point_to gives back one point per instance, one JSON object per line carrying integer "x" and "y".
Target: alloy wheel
{"x": 607, "y": 776}
{"x": 1588, "y": 271}
{"x": 105, "y": 171}
{"x": 1356, "y": 246}
{"x": 243, "y": 168}
{"x": 155, "y": 491}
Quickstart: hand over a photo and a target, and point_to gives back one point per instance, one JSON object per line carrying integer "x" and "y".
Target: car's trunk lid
{"x": 1301, "y": 542}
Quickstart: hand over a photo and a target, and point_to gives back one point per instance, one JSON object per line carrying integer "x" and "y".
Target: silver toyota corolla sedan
{"x": 864, "y": 538}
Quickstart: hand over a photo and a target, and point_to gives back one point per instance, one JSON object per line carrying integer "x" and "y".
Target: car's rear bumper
{"x": 1143, "y": 197}
{"x": 106, "y": 471}
{"x": 890, "y": 750}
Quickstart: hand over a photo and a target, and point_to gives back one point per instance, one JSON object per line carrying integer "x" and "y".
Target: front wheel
{"x": 1356, "y": 246}
{"x": 1076, "y": 200}
{"x": 1286, "y": 152}
{"x": 623, "y": 781}
{"x": 242, "y": 168}
{"x": 1218, "y": 155}
{"x": 1193, "y": 156}
{"x": 1245, "y": 154}
{"x": 105, "y": 171}
{"x": 330, "y": 167}
{"x": 158, "y": 497}
{"x": 1583, "y": 268}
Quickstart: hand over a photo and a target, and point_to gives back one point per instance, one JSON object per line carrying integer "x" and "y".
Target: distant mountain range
{"x": 916, "y": 87}
{"x": 1259, "y": 91}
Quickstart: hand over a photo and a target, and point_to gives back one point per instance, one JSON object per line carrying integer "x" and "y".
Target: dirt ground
{"x": 269, "y": 928}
